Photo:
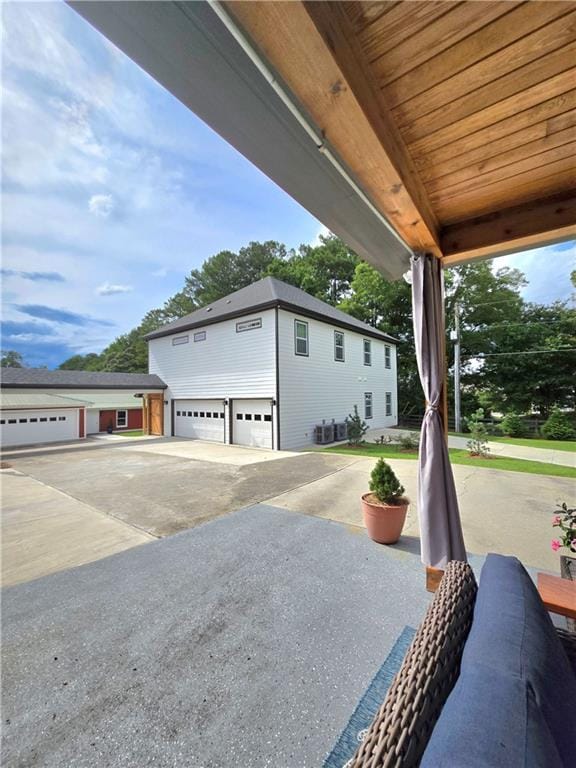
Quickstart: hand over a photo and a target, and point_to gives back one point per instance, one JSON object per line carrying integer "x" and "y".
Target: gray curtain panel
{"x": 441, "y": 536}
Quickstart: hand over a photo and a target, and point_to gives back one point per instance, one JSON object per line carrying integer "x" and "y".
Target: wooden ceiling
{"x": 457, "y": 118}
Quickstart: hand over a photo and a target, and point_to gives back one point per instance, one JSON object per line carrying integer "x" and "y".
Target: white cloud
{"x": 101, "y": 205}
{"x": 324, "y": 231}
{"x": 109, "y": 289}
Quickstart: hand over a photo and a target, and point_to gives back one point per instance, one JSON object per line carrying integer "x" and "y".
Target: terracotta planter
{"x": 384, "y": 522}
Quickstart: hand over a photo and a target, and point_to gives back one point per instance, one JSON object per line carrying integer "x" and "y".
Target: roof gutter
{"x": 318, "y": 140}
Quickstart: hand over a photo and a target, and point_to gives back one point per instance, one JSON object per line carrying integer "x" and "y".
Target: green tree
{"x": 11, "y": 359}
{"x": 325, "y": 271}
{"x": 89, "y": 362}
{"x": 388, "y": 306}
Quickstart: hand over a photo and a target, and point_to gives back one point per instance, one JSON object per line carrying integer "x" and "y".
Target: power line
{"x": 530, "y": 352}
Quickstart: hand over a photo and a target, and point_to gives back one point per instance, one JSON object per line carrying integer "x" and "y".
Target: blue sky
{"x": 113, "y": 191}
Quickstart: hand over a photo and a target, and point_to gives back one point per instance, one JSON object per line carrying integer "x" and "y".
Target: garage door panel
{"x": 252, "y": 423}
{"x": 42, "y": 426}
{"x": 199, "y": 419}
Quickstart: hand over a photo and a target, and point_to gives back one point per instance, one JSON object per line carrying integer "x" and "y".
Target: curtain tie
{"x": 431, "y": 406}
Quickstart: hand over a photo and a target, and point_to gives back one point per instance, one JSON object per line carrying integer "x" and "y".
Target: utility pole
{"x": 456, "y": 336}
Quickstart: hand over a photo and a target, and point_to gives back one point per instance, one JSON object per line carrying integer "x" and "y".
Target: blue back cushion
{"x": 514, "y": 703}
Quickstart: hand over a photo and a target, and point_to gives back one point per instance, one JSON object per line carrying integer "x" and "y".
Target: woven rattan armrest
{"x": 402, "y": 727}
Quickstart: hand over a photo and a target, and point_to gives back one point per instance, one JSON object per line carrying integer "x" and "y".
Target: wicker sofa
{"x": 487, "y": 681}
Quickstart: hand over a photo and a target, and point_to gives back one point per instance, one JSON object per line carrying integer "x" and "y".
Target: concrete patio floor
{"x": 244, "y": 642}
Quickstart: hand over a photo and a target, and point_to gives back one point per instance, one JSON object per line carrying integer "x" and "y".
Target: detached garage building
{"x": 41, "y": 406}
{"x": 267, "y": 364}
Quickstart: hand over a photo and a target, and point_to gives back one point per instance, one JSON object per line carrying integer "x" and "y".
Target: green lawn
{"x": 460, "y": 456}
{"x": 131, "y": 433}
{"x": 553, "y": 445}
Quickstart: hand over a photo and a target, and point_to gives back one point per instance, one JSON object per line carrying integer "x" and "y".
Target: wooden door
{"x": 156, "y": 415}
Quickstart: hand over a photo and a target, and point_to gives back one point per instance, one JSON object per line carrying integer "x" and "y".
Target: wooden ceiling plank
{"x": 402, "y": 23}
{"x": 561, "y": 122}
{"x": 450, "y": 186}
{"x": 517, "y": 23}
{"x": 502, "y": 135}
{"x": 362, "y": 13}
{"x": 497, "y": 196}
{"x": 460, "y": 171}
{"x": 481, "y": 156}
{"x": 358, "y": 133}
{"x": 522, "y": 226}
{"x": 462, "y": 20}
{"x": 497, "y": 113}
{"x": 452, "y": 104}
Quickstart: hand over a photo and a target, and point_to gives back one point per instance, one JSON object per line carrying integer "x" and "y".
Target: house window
{"x": 32, "y": 421}
{"x": 25, "y": 421}
{"x": 177, "y": 340}
{"x": 121, "y": 418}
{"x": 301, "y": 338}
{"x": 388, "y": 403}
{"x": 61, "y": 418}
{"x": 339, "y": 346}
{"x": 249, "y": 325}
{"x": 200, "y": 336}
{"x": 53, "y": 418}
{"x": 367, "y": 352}
{"x": 387, "y": 357}
{"x": 367, "y": 405}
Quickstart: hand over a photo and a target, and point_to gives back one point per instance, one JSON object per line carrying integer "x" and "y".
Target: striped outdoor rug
{"x": 369, "y": 704}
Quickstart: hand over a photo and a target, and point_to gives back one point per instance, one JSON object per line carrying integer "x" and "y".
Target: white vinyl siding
{"x": 317, "y": 387}
{"x": 367, "y": 352}
{"x": 226, "y": 365}
{"x": 339, "y": 347}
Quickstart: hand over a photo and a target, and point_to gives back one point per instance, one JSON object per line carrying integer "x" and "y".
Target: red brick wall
{"x": 105, "y": 418}
{"x": 135, "y": 418}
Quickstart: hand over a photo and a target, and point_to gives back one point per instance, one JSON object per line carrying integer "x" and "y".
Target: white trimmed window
{"x": 339, "y": 346}
{"x": 368, "y": 405}
{"x": 301, "y": 338}
{"x": 121, "y": 418}
{"x": 388, "y": 403}
{"x": 387, "y": 357}
{"x": 367, "y": 352}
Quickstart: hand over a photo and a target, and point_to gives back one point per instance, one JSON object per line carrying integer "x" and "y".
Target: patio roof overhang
{"x": 446, "y": 128}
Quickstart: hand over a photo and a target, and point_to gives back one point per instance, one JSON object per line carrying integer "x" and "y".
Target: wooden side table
{"x": 558, "y": 595}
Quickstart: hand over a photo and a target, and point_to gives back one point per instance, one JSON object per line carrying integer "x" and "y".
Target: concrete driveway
{"x": 505, "y": 512}
{"x": 73, "y": 505}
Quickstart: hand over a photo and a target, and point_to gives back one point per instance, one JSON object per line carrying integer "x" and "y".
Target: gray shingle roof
{"x": 8, "y": 400}
{"x": 264, "y": 294}
{"x": 40, "y": 377}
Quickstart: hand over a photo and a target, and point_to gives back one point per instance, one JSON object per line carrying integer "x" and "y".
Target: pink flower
{"x": 556, "y": 520}
{"x": 556, "y": 545}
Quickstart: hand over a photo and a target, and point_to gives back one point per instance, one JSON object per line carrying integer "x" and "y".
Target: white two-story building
{"x": 267, "y": 364}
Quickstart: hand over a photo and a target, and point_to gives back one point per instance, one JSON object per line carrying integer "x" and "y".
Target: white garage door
{"x": 252, "y": 420}
{"x": 47, "y": 426}
{"x": 201, "y": 419}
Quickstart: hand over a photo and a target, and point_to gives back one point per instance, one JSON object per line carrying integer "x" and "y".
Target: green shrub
{"x": 357, "y": 428}
{"x": 478, "y": 444}
{"x": 558, "y": 426}
{"x": 385, "y": 485}
{"x": 512, "y": 425}
{"x": 408, "y": 441}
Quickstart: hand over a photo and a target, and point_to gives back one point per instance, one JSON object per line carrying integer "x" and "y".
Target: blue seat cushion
{"x": 515, "y": 700}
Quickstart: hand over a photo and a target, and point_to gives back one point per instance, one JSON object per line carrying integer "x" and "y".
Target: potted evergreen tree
{"x": 384, "y": 508}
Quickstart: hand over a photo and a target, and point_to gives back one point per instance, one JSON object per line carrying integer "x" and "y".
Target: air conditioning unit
{"x": 324, "y": 433}
{"x": 341, "y": 431}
